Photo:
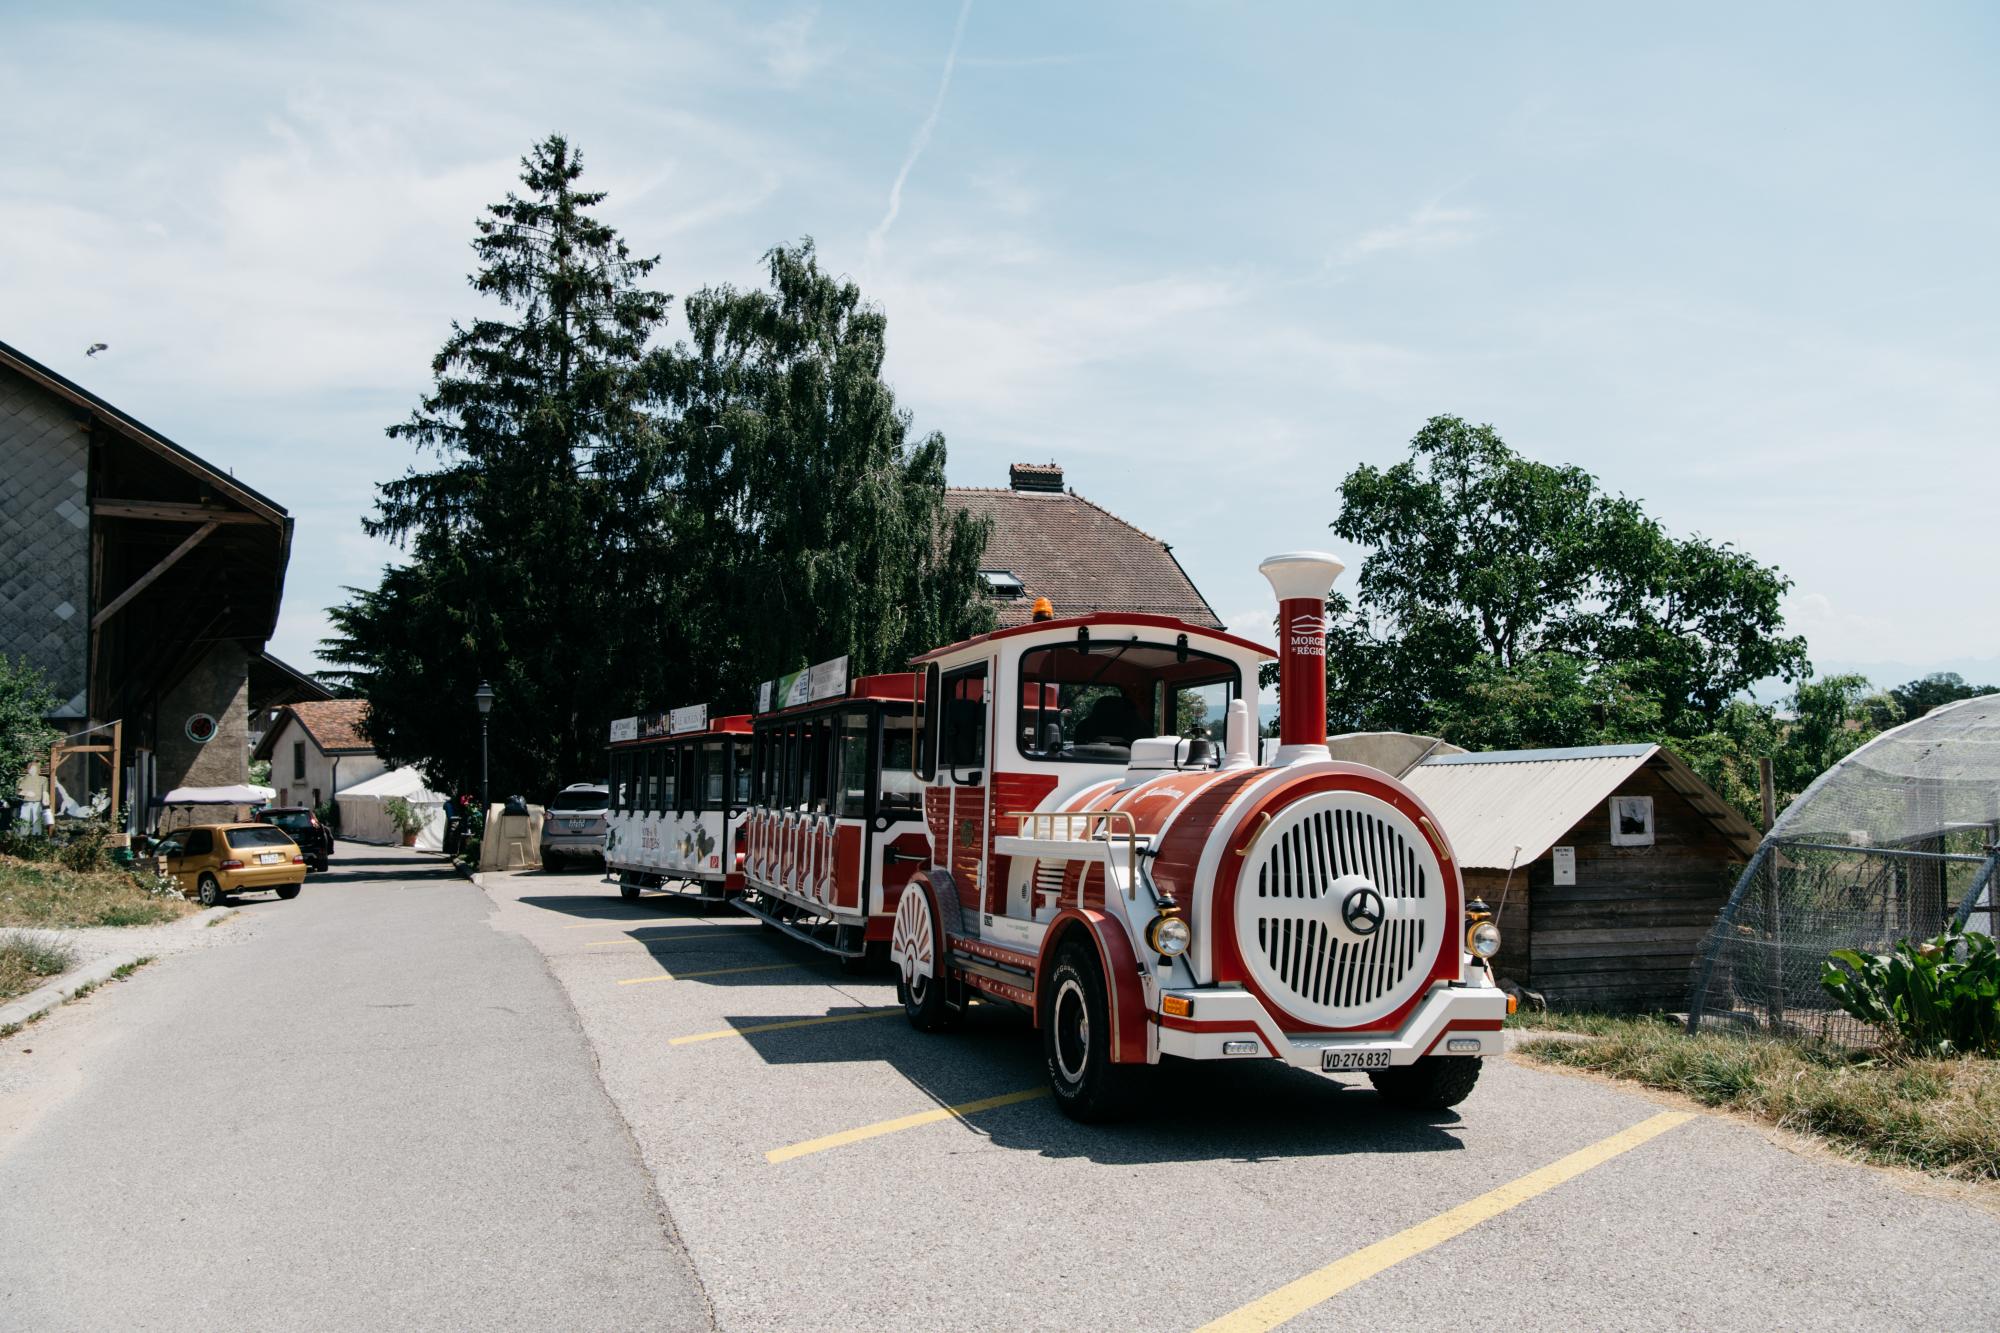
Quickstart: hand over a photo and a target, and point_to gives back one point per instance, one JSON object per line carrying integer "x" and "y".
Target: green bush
{"x": 1930, "y": 998}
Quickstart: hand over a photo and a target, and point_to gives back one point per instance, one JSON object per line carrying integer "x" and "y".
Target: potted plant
{"x": 406, "y": 819}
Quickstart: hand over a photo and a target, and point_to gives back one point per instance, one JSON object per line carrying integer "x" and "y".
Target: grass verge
{"x": 27, "y": 962}
{"x": 1940, "y": 1116}
{"x": 47, "y": 893}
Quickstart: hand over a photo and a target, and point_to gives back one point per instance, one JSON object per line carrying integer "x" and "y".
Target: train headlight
{"x": 1483, "y": 940}
{"x": 1169, "y": 936}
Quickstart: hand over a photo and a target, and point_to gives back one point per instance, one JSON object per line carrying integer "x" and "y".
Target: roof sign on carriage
{"x": 683, "y": 720}
{"x": 827, "y": 680}
{"x": 624, "y": 729}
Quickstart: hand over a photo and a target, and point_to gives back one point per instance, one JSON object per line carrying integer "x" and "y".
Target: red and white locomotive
{"x": 1106, "y": 852}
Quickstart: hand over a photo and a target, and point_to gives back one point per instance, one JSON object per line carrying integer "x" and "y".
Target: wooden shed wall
{"x": 1625, "y": 935}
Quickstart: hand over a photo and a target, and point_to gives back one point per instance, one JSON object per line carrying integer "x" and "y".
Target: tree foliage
{"x": 1917, "y": 697}
{"x": 1496, "y": 576}
{"x": 809, "y": 524}
{"x": 605, "y": 526}
{"x": 24, "y": 738}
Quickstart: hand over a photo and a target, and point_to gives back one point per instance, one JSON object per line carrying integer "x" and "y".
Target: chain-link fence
{"x": 1897, "y": 841}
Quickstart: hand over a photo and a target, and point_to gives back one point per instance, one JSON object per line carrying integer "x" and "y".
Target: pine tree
{"x": 534, "y": 540}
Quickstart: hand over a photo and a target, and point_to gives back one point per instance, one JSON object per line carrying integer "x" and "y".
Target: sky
{"x": 1737, "y": 261}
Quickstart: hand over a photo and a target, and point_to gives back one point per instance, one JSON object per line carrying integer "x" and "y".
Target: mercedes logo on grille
{"x": 1361, "y": 911}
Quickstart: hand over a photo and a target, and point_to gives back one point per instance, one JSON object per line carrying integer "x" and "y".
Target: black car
{"x": 314, "y": 838}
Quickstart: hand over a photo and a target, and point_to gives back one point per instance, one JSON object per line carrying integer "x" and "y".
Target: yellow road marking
{"x": 712, "y": 972}
{"x": 881, "y": 1127}
{"x": 788, "y": 1023}
{"x": 1295, "y": 1298}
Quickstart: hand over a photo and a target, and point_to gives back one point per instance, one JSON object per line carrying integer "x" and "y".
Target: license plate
{"x": 1333, "y": 1061}
{"x": 574, "y": 824}
{"x": 269, "y": 858}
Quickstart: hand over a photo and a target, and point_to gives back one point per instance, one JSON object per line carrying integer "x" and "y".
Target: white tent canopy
{"x": 247, "y": 793}
{"x": 364, "y": 809}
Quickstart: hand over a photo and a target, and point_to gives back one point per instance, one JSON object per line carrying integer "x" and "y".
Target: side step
{"x": 803, "y": 934}
{"x": 1008, "y": 983}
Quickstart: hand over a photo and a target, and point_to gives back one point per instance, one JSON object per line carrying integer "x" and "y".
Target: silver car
{"x": 573, "y": 824}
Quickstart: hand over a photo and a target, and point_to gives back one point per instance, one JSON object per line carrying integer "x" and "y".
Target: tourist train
{"x": 1070, "y": 816}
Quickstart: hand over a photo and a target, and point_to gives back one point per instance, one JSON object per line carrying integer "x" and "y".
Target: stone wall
{"x": 219, "y": 685}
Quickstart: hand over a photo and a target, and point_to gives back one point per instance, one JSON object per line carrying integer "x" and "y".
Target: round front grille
{"x": 1340, "y": 909}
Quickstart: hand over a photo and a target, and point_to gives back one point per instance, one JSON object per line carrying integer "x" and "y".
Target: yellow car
{"x": 213, "y": 861}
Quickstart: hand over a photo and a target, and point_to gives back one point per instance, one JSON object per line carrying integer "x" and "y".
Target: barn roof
{"x": 1492, "y": 802}
{"x": 1076, "y": 553}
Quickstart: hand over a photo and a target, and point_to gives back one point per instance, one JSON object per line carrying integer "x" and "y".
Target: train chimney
{"x": 1301, "y": 579}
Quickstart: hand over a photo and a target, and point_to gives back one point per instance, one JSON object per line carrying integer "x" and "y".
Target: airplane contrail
{"x": 923, "y": 139}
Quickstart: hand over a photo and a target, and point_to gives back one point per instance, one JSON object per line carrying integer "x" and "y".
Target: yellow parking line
{"x": 881, "y": 1127}
{"x": 855, "y": 1017}
{"x": 1295, "y": 1298}
{"x": 712, "y": 972}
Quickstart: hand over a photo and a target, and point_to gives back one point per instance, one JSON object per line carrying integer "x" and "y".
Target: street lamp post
{"x": 483, "y": 696}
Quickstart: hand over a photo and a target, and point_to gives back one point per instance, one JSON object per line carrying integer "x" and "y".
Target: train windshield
{"x": 1087, "y": 702}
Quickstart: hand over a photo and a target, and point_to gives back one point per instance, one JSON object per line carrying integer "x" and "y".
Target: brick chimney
{"x": 1035, "y": 477}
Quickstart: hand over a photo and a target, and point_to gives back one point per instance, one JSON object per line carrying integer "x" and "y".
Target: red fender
{"x": 1121, "y": 974}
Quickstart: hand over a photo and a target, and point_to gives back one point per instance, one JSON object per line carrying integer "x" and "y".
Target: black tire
{"x": 288, "y": 891}
{"x": 628, "y": 888}
{"x": 1431, "y": 1084}
{"x": 1076, "y": 1039}
{"x": 319, "y": 865}
{"x": 208, "y": 892}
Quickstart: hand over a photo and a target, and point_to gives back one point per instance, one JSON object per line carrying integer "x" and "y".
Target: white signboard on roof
{"x": 624, "y": 729}
{"x": 692, "y": 718}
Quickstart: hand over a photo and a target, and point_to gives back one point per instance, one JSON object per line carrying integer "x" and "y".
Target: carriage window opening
{"x": 851, "y": 766}
{"x": 791, "y": 783}
{"x": 901, "y": 790}
{"x": 742, "y": 773}
{"x": 962, "y": 724}
{"x": 1087, "y": 705}
{"x": 663, "y": 764}
{"x": 688, "y": 795}
{"x": 652, "y": 780}
{"x": 714, "y": 779}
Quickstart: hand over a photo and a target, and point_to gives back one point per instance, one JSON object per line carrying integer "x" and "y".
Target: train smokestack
{"x": 1301, "y": 579}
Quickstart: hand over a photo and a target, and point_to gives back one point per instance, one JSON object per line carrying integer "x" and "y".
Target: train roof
{"x": 736, "y": 724}
{"x": 887, "y": 687}
{"x": 1093, "y": 620}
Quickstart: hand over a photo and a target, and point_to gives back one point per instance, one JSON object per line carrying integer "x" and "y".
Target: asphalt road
{"x": 370, "y": 1110}
{"x": 1236, "y": 1183}
{"x": 403, "y": 1101}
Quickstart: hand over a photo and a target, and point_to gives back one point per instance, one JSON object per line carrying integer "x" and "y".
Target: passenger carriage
{"x": 1107, "y": 853}
{"x": 680, "y": 785}
{"x": 835, "y": 826}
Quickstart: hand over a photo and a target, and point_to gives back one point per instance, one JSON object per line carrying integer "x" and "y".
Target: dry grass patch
{"x": 1941, "y": 1116}
{"x": 47, "y": 893}
{"x": 27, "y": 962}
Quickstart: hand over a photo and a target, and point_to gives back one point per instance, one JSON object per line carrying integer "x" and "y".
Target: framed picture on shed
{"x": 1631, "y": 821}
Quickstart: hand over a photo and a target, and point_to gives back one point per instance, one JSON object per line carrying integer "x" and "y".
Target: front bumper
{"x": 1454, "y": 1020}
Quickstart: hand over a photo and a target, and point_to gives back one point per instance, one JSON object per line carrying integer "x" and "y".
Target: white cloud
{"x": 1431, "y": 227}
{"x": 789, "y": 52}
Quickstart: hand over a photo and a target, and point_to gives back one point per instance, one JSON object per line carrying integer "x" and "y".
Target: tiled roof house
{"x": 318, "y": 748}
{"x": 1051, "y": 542}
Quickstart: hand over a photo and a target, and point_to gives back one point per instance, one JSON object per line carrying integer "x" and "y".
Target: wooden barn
{"x": 1622, "y": 858}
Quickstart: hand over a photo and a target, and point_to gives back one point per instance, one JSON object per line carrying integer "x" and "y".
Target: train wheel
{"x": 1431, "y": 1084}
{"x": 628, "y": 888}
{"x": 1076, "y": 1038}
{"x": 917, "y": 950}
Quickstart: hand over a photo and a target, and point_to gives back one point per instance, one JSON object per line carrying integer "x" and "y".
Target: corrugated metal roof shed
{"x": 1490, "y": 803}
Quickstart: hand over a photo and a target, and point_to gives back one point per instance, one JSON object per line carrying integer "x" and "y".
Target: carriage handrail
{"x": 1044, "y": 823}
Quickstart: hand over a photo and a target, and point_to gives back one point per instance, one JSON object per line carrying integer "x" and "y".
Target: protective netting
{"x": 1896, "y": 841}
